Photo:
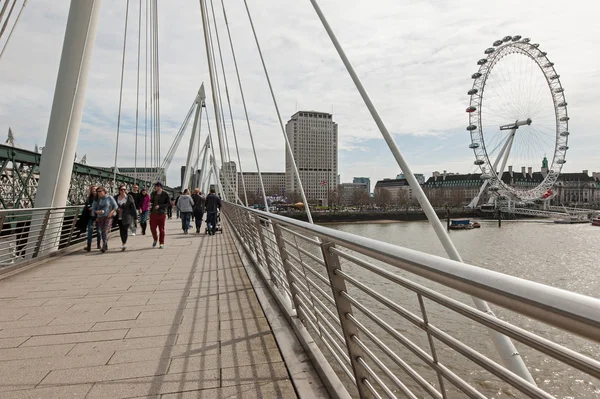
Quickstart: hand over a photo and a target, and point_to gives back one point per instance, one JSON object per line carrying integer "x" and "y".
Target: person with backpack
{"x": 199, "y": 200}
{"x": 213, "y": 203}
{"x": 185, "y": 207}
{"x": 160, "y": 202}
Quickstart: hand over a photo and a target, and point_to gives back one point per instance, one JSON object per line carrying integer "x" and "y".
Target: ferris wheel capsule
{"x": 473, "y": 145}
{"x": 471, "y": 128}
{"x": 479, "y": 162}
{"x": 471, "y": 109}
{"x": 516, "y": 38}
{"x": 526, "y": 40}
{"x": 498, "y": 43}
{"x": 476, "y": 75}
{"x": 507, "y": 39}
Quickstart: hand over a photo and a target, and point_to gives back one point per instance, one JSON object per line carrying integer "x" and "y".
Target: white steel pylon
{"x": 196, "y": 126}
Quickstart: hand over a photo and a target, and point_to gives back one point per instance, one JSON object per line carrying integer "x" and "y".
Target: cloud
{"x": 415, "y": 59}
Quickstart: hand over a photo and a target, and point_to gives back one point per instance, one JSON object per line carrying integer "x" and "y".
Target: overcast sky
{"x": 415, "y": 59}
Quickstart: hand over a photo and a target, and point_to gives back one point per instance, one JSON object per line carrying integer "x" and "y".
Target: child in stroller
{"x": 219, "y": 228}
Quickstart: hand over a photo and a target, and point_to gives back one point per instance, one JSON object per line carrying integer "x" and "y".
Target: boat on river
{"x": 596, "y": 221}
{"x": 460, "y": 224}
{"x": 573, "y": 220}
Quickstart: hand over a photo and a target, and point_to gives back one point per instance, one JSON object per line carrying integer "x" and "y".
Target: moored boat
{"x": 596, "y": 221}
{"x": 460, "y": 224}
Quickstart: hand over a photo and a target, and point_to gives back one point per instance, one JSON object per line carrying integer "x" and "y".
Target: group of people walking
{"x": 124, "y": 209}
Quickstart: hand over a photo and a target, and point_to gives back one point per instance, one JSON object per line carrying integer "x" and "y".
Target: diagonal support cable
{"x": 237, "y": 72}
{"x": 287, "y": 142}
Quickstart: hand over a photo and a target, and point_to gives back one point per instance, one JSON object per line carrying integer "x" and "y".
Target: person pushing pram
{"x": 212, "y": 204}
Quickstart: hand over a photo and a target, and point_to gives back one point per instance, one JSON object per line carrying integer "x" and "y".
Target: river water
{"x": 563, "y": 256}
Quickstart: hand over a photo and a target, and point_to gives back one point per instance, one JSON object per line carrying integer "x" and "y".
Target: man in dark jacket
{"x": 160, "y": 201}
{"x": 198, "y": 199}
{"x": 213, "y": 204}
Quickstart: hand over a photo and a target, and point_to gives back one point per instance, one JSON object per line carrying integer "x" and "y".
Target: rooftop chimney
{"x": 586, "y": 172}
{"x": 510, "y": 170}
{"x": 523, "y": 170}
{"x": 530, "y": 171}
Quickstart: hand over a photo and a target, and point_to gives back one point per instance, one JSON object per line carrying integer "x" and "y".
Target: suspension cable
{"x": 12, "y": 7}
{"x": 137, "y": 104}
{"x": 219, "y": 96}
{"x": 157, "y": 78}
{"x": 237, "y": 72}
{"x": 228, "y": 101}
{"x": 287, "y": 142}
{"x": 121, "y": 94}
{"x": 13, "y": 28}
{"x": 146, "y": 93}
{"x": 151, "y": 84}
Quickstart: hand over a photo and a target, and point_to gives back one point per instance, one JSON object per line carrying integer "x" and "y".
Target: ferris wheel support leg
{"x": 509, "y": 143}
{"x": 505, "y": 347}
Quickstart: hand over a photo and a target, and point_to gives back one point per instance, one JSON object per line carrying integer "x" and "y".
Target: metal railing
{"x": 395, "y": 322}
{"x": 28, "y": 234}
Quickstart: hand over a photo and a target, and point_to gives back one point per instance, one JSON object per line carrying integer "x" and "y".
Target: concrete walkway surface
{"x": 181, "y": 322}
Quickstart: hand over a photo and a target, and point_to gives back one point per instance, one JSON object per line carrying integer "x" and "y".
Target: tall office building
{"x": 313, "y": 137}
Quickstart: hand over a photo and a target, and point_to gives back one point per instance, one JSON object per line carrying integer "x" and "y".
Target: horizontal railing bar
{"x": 408, "y": 315}
{"x": 561, "y": 353}
{"x": 340, "y": 362}
{"x": 560, "y": 308}
{"x": 476, "y": 357}
{"x": 407, "y": 392}
{"x": 488, "y": 364}
{"x": 295, "y": 233}
{"x": 32, "y": 210}
{"x": 425, "y": 357}
{"x": 372, "y": 389}
{"x": 301, "y": 276}
{"x": 430, "y": 389}
{"x": 375, "y": 378}
{"x": 321, "y": 317}
{"x": 309, "y": 268}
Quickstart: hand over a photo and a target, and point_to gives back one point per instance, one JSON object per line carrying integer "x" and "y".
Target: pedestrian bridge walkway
{"x": 182, "y": 322}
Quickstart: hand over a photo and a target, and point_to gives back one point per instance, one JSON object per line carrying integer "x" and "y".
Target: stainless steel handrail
{"x": 287, "y": 261}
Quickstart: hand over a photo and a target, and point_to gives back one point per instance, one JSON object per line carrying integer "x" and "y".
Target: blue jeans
{"x": 185, "y": 220}
{"x": 211, "y": 221}
{"x": 90, "y": 233}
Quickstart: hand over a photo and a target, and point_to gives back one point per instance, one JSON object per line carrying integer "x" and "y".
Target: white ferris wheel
{"x": 517, "y": 116}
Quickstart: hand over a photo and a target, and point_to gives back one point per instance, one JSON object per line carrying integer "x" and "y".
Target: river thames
{"x": 563, "y": 256}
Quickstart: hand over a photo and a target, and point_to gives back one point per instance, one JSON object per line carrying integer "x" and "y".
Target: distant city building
{"x": 313, "y": 137}
{"x": 146, "y": 174}
{"x": 229, "y": 180}
{"x": 398, "y": 189}
{"x": 363, "y": 180}
{"x": 353, "y": 194}
{"x": 459, "y": 189}
{"x": 274, "y": 183}
{"x": 419, "y": 176}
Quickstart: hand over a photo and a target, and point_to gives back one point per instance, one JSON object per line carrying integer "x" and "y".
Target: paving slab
{"x": 178, "y": 322}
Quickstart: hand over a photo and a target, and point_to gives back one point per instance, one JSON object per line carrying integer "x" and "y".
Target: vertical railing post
{"x": 265, "y": 249}
{"x": 344, "y": 308}
{"x": 431, "y": 344}
{"x": 42, "y": 232}
{"x": 72, "y": 229}
{"x": 288, "y": 270}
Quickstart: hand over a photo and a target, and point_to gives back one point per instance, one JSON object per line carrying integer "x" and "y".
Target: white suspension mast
{"x": 287, "y": 142}
{"x": 504, "y": 345}
{"x": 121, "y": 94}
{"x": 228, "y": 104}
{"x": 137, "y": 103}
{"x": 212, "y": 85}
{"x": 203, "y": 164}
{"x": 197, "y": 119}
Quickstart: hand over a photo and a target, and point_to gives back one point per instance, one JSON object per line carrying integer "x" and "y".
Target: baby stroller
{"x": 219, "y": 228}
